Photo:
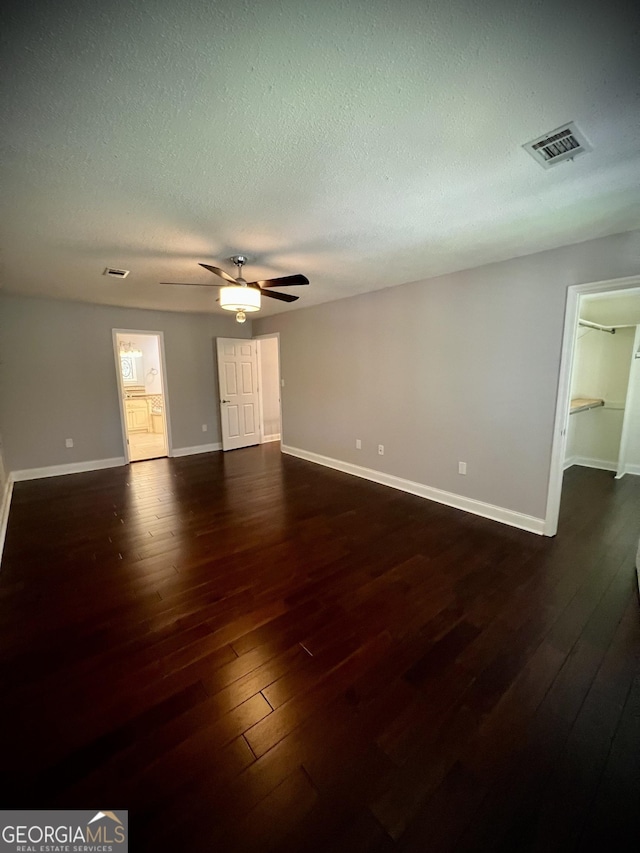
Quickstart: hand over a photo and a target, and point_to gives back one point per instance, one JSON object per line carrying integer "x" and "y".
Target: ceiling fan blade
{"x": 286, "y": 281}
{"x": 219, "y": 272}
{"x": 283, "y": 297}
{"x": 194, "y": 283}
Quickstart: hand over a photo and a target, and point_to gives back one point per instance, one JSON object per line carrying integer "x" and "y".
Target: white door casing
{"x": 630, "y": 406}
{"x": 238, "y": 384}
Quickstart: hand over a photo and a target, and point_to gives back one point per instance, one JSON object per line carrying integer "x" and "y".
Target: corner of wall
{"x": 6, "y": 490}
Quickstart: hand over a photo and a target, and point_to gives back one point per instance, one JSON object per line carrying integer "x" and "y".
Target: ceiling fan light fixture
{"x": 240, "y": 298}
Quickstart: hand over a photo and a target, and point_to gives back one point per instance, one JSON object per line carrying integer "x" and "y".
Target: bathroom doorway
{"x": 143, "y": 393}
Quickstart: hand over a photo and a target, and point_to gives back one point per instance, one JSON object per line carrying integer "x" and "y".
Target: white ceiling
{"x": 364, "y": 143}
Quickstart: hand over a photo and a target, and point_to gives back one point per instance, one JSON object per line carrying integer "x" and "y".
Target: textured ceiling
{"x": 363, "y": 143}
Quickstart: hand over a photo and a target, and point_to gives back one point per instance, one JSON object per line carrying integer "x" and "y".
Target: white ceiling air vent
{"x": 116, "y": 273}
{"x": 563, "y": 143}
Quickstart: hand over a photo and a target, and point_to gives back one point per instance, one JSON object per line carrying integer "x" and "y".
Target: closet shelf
{"x": 583, "y": 404}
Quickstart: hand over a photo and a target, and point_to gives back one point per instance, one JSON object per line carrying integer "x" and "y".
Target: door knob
{"x": 225, "y": 401}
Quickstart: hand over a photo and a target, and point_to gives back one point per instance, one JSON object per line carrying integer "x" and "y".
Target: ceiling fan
{"x": 240, "y": 295}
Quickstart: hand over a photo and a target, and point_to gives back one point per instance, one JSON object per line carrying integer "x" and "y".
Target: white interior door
{"x": 238, "y": 383}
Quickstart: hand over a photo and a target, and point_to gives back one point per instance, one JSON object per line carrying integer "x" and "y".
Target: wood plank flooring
{"x": 253, "y": 653}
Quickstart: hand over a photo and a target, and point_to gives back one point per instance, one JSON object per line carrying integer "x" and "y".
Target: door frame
{"x": 629, "y": 403}
{"x": 165, "y": 389}
{"x": 275, "y": 335}
{"x": 559, "y": 444}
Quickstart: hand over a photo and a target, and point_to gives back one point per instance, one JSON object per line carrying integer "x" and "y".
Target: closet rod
{"x": 596, "y": 326}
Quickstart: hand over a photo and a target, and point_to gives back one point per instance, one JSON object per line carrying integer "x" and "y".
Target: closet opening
{"x": 602, "y": 399}
{"x": 598, "y": 404}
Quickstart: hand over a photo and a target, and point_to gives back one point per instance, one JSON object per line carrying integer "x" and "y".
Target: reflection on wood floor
{"x": 254, "y": 653}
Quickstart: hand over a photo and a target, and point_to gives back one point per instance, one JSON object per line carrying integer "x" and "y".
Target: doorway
{"x": 602, "y": 410}
{"x": 269, "y": 384}
{"x": 140, "y": 368}
{"x": 238, "y": 388}
{"x": 249, "y": 386}
{"x": 575, "y": 293}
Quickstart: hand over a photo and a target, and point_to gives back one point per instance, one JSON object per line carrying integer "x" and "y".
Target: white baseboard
{"x": 495, "y": 513}
{"x": 200, "y": 448}
{"x": 68, "y": 468}
{"x": 632, "y": 469}
{"x": 5, "y": 504}
{"x": 274, "y": 437}
{"x": 601, "y": 464}
{"x": 571, "y": 460}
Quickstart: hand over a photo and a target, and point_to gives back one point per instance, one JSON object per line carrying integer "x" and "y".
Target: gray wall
{"x": 460, "y": 367}
{"x": 58, "y": 379}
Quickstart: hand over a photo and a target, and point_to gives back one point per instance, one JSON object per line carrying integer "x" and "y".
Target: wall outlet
{"x": 462, "y": 467}
{"x": 381, "y": 450}
{"x": 68, "y": 442}
{"x": 282, "y": 382}
{"x": 204, "y": 427}
{"x": 358, "y": 444}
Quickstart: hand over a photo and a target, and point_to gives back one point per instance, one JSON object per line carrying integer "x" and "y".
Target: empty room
{"x": 320, "y": 426}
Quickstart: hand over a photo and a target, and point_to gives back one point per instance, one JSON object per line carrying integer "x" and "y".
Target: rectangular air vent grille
{"x": 116, "y": 273}
{"x": 563, "y": 143}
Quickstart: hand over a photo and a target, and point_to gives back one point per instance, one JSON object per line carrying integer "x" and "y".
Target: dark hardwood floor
{"x": 250, "y": 652}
